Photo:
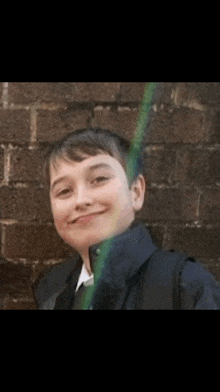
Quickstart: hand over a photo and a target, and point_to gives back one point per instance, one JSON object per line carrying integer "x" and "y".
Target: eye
{"x": 100, "y": 179}
{"x": 63, "y": 192}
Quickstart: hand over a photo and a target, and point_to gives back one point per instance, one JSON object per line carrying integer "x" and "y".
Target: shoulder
{"x": 167, "y": 263}
{"x": 160, "y": 279}
{"x": 164, "y": 268}
{"x": 199, "y": 288}
{"x": 191, "y": 272}
{"x": 195, "y": 273}
{"x": 194, "y": 284}
{"x": 54, "y": 279}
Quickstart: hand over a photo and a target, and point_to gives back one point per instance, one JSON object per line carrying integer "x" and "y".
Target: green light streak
{"x": 140, "y": 129}
{"x": 132, "y": 161}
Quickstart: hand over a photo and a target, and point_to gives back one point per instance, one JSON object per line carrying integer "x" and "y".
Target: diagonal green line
{"x": 134, "y": 152}
{"x": 136, "y": 144}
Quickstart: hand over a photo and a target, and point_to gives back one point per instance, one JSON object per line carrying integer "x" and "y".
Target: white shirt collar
{"x": 85, "y": 278}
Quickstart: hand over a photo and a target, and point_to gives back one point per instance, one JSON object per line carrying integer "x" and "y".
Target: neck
{"x": 86, "y": 262}
{"x": 85, "y": 254}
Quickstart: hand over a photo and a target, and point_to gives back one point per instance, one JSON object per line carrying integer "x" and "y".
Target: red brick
{"x": 26, "y": 165}
{"x": 191, "y": 166}
{"x": 52, "y": 125}
{"x": 14, "y": 126}
{"x": 1, "y": 91}
{"x": 21, "y": 304}
{"x": 199, "y": 242}
{"x": 15, "y": 279}
{"x": 198, "y": 167}
{"x": 181, "y": 125}
{"x": 198, "y": 94}
{"x": 96, "y": 91}
{"x": 25, "y": 204}
{"x": 208, "y": 93}
{"x": 160, "y": 165}
{"x": 29, "y": 92}
{"x": 132, "y": 92}
{"x": 212, "y": 126}
{"x": 214, "y": 166}
{"x": 124, "y": 121}
{"x": 34, "y": 242}
{"x": 1, "y": 164}
{"x": 170, "y": 204}
{"x": 1, "y": 228}
{"x": 187, "y": 95}
{"x": 210, "y": 205}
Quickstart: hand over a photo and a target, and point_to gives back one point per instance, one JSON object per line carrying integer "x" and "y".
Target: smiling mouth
{"x": 87, "y": 217}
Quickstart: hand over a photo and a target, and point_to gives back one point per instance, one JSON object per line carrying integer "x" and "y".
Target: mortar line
{"x": 5, "y": 95}
{"x": 33, "y": 126}
{"x": 7, "y": 161}
{"x": 3, "y": 235}
{"x": 198, "y": 206}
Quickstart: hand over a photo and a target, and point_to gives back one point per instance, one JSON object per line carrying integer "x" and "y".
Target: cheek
{"x": 121, "y": 195}
{"x": 111, "y": 196}
{"x": 59, "y": 213}
{"x": 117, "y": 200}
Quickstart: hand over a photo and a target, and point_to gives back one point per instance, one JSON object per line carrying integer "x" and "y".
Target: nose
{"x": 83, "y": 197}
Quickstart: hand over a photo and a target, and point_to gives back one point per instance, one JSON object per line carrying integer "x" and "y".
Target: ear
{"x": 138, "y": 191}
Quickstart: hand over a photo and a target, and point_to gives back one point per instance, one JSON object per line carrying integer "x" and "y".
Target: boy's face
{"x": 77, "y": 189}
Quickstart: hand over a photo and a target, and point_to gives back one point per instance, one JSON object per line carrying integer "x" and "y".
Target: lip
{"x": 87, "y": 218}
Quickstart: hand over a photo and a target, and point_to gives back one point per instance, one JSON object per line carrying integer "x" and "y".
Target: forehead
{"x": 71, "y": 168}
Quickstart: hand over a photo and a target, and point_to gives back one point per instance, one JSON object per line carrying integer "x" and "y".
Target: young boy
{"x": 92, "y": 201}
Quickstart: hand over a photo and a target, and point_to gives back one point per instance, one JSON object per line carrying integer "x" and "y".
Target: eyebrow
{"x": 89, "y": 169}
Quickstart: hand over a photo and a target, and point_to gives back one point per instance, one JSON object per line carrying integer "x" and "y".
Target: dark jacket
{"x": 137, "y": 275}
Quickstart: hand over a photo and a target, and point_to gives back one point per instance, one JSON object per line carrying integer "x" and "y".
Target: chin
{"x": 84, "y": 242}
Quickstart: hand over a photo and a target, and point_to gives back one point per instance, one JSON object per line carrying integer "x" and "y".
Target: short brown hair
{"x": 92, "y": 141}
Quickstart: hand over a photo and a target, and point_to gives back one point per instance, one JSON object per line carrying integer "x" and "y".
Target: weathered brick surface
{"x": 124, "y": 120}
{"x": 14, "y": 126}
{"x": 197, "y": 167}
{"x": 212, "y": 125}
{"x": 33, "y": 242}
{"x": 25, "y": 204}
{"x": 210, "y": 205}
{"x": 203, "y": 93}
{"x": 181, "y": 125}
{"x": 132, "y": 92}
{"x": 1, "y": 164}
{"x": 15, "y": 280}
{"x": 1, "y": 92}
{"x": 26, "y": 164}
{"x": 52, "y": 125}
{"x": 171, "y": 204}
{"x": 182, "y": 200}
{"x": 96, "y": 91}
{"x": 160, "y": 165}
{"x": 200, "y": 242}
{"x": 25, "y": 93}
{"x": 20, "y": 304}
{"x": 32, "y": 92}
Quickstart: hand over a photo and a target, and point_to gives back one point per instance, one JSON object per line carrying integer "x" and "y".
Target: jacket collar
{"x": 122, "y": 260}
{"x": 127, "y": 253}
{"x": 125, "y": 256}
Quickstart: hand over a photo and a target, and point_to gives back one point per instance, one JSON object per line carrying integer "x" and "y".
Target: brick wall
{"x": 182, "y": 205}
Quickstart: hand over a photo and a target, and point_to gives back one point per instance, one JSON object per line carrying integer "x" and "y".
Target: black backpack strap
{"x": 161, "y": 280}
{"x": 181, "y": 259}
